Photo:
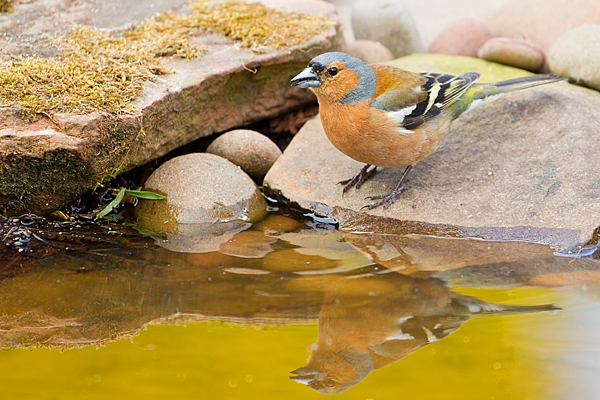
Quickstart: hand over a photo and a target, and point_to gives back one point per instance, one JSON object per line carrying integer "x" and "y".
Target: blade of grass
{"x": 110, "y": 206}
{"x": 147, "y": 232}
{"x": 144, "y": 194}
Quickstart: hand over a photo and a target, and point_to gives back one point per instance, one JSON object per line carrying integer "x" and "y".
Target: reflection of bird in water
{"x": 368, "y": 323}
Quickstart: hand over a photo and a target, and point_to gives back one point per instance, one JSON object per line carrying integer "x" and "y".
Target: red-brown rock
{"x": 514, "y": 52}
{"x": 542, "y": 21}
{"x": 462, "y": 37}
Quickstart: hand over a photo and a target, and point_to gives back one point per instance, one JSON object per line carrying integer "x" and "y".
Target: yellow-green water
{"x": 146, "y": 323}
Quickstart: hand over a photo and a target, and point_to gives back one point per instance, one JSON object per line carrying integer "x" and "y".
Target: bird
{"x": 388, "y": 117}
{"x": 369, "y": 322}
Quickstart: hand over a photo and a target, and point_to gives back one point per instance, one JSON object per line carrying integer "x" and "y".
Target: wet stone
{"x": 292, "y": 261}
{"x": 201, "y": 189}
{"x": 248, "y": 244}
{"x": 274, "y": 225}
{"x": 519, "y": 168}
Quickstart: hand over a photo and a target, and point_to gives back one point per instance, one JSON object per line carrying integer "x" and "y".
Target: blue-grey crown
{"x": 366, "y": 84}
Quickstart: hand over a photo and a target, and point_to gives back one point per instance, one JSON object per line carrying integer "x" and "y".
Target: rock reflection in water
{"x": 367, "y": 323}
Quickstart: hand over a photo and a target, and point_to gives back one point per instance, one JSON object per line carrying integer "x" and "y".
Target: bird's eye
{"x": 330, "y": 383}
{"x": 332, "y": 71}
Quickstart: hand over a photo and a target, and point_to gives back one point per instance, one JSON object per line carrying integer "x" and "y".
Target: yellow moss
{"x": 256, "y": 26}
{"x": 97, "y": 70}
{"x": 6, "y": 6}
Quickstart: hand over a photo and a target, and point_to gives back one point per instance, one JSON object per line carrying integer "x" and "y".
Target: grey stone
{"x": 48, "y": 162}
{"x": 201, "y": 189}
{"x": 253, "y": 152}
{"x": 523, "y": 167}
{"x": 344, "y": 11}
{"x": 576, "y": 55}
{"x": 387, "y": 22}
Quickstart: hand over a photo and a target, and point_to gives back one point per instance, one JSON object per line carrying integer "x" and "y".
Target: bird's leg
{"x": 388, "y": 199}
{"x": 358, "y": 179}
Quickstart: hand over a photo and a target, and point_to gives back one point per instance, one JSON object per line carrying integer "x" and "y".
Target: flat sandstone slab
{"x": 51, "y": 160}
{"x": 524, "y": 167}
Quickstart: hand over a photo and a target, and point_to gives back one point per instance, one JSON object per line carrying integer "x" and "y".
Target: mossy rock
{"x": 54, "y": 149}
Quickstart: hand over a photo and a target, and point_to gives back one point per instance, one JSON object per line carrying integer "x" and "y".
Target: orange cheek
{"x": 335, "y": 88}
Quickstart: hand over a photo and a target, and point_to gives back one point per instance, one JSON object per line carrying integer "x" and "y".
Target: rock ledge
{"x": 521, "y": 168}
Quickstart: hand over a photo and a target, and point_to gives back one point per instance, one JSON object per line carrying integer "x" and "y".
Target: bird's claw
{"x": 385, "y": 200}
{"x": 358, "y": 179}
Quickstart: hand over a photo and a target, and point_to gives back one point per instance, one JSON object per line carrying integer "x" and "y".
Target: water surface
{"x": 290, "y": 310}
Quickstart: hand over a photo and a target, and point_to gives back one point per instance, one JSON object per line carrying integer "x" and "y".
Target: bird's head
{"x": 339, "y": 77}
{"x": 332, "y": 372}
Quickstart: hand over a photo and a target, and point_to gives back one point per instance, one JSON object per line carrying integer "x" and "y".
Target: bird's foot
{"x": 385, "y": 200}
{"x": 388, "y": 199}
{"x": 358, "y": 179}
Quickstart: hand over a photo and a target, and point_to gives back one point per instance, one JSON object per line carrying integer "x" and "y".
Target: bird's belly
{"x": 376, "y": 139}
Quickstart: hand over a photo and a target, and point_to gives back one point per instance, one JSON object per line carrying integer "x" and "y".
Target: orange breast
{"x": 370, "y": 136}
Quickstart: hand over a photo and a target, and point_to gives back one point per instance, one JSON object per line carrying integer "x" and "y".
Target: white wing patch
{"x": 398, "y": 118}
{"x": 400, "y": 336}
{"x": 408, "y": 110}
{"x": 404, "y": 131}
{"x": 430, "y": 336}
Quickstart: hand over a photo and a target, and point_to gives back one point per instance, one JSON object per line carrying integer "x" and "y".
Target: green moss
{"x": 112, "y": 155}
{"x": 37, "y": 181}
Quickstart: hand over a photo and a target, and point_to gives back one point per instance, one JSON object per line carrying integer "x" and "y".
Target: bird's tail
{"x": 526, "y": 82}
{"x": 475, "y": 306}
{"x": 490, "y": 89}
{"x": 481, "y": 93}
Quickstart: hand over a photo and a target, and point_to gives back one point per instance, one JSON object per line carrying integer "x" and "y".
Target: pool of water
{"x": 295, "y": 310}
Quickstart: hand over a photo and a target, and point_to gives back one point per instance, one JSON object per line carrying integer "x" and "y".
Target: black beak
{"x": 306, "y": 78}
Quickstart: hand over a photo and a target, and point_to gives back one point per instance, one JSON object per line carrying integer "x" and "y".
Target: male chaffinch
{"x": 387, "y": 117}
